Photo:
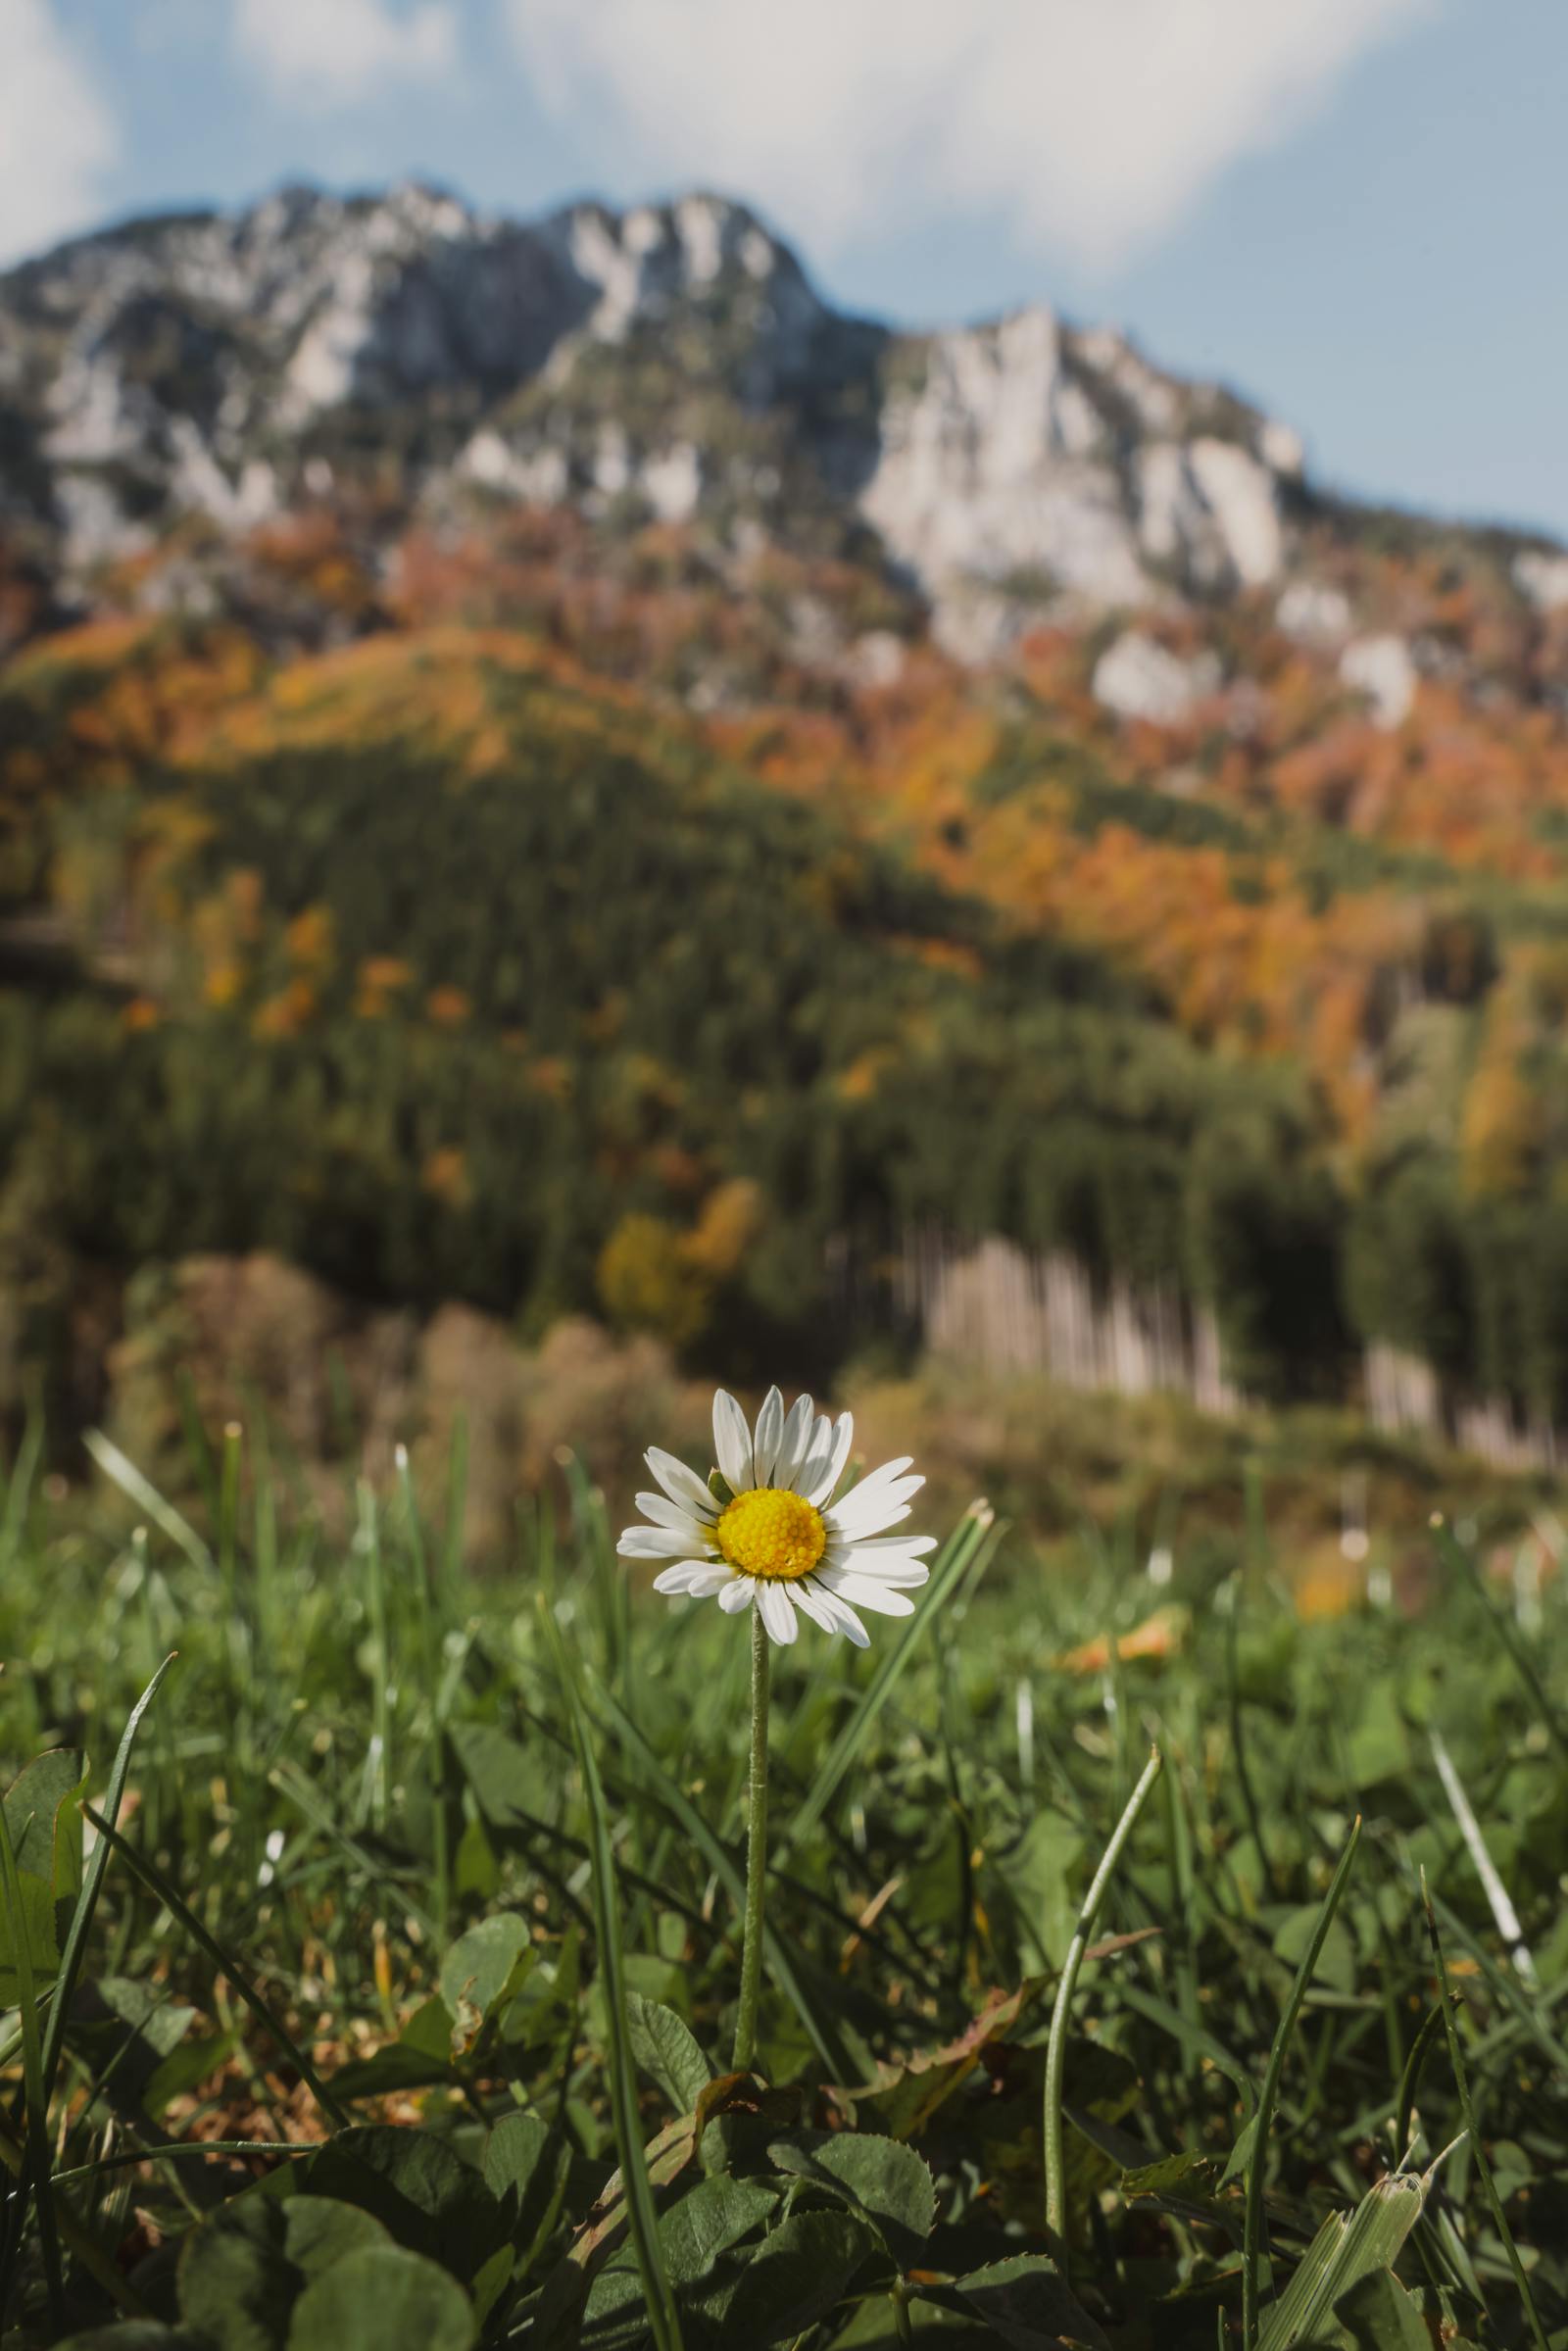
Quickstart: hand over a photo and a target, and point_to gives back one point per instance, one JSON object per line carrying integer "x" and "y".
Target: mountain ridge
{"x": 672, "y": 362}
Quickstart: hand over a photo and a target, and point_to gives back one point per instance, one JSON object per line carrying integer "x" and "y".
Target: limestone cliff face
{"x": 668, "y": 361}
{"x": 1027, "y": 445}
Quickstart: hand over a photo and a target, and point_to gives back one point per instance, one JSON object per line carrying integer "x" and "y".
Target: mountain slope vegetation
{"x": 562, "y": 887}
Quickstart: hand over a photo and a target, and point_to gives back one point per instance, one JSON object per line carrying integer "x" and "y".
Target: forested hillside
{"x": 515, "y": 895}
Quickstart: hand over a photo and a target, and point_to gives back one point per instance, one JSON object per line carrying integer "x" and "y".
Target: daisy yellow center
{"x": 771, "y": 1533}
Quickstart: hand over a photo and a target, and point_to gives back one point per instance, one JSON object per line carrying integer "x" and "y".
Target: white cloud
{"x": 1089, "y": 125}
{"x": 57, "y": 136}
{"x": 328, "y": 53}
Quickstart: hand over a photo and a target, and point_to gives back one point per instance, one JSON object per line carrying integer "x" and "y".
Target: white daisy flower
{"x": 780, "y": 1542}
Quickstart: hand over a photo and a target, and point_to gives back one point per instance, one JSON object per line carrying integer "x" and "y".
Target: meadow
{"x": 372, "y": 1932}
{"x": 493, "y": 940}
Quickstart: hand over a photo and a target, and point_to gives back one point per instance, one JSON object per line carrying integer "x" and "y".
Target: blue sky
{"x": 1352, "y": 210}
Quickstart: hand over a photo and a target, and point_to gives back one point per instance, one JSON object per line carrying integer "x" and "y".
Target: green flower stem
{"x": 756, "y": 1851}
{"x": 1060, "y": 2015}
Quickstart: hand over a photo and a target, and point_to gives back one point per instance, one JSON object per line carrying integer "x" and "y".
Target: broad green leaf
{"x": 1336, "y": 1961}
{"x": 655, "y": 1978}
{"x": 1378, "y": 1748}
{"x": 615, "y": 2316}
{"x": 906, "y": 2092}
{"x": 1027, "y": 2302}
{"x": 667, "y": 2051}
{"x": 793, "y": 2278}
{"x": 475, "y": 1871}
{"x": 382, "y": 2298}
{"x": 45, "y": 1822}
{"x": 881, "y": 2177}
{"x": 525, "y": 2167}
{"x": 501, "y": 1772}
{"x": 693, "y": 2236}
{"x": 196, "y": 2058}
{"x": 1042, "y": 1882}
{"x": 425, "y": 2195}
{"x": 35, "y": 1907}
{"x": 243, "y": 2269}
{"x": 713, "y": 2216}
{"x": 1377, "y": 2314}
{"x": 547, "y": 2007}
{"x": 549, "y": 2315}
{"x": 874, "y": 2328}
{"x": 484, "y": 1968}
{"x": 113, "y": 2005}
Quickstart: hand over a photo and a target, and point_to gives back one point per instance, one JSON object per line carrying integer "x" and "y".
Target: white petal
{"x": 844, "y": 1616}
{"x": 682, "y": 1485}
{"x": 814, "y": 1459}
{"x": 904, "y": 1574}
{"x": 885, "y": 1474}
{"x": 737, "y": 1595}
{"x": 779, "y": 1610}
{"x": 817, "y": 1603}
{"x": 663, "y": 1513}
{"x": 658, "y": 1542}
{"x": 867, "y": 1593}
{"x": 861, "y": 1529}
{"x": 699, "y": 1576}
{"x": 907, "y": 1546}
{"x": 861, "y": 1515}
{"x": 733, "y": 1443}
{"x": 769, "y": 1428}
{"x": 831, "y": 1468}
{"x": 793, "y": 1442}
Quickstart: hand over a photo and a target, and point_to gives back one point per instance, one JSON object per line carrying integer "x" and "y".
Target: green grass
{"x": 439, "y": 1881}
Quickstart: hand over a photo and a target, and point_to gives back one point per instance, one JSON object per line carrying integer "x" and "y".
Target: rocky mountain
{"x": 952, "y": 835}
{"x": 417, "y": 359}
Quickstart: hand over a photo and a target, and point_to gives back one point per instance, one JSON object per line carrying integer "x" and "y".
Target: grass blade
{"x": 1497, "y": 1894}
{"x": 77, "y": 1941}
{"x": 152, "y": 1877}
{"x": 457, "y": 1515}
{"x": 180, "y": 2150}
{"x": 147, "y": 1498}
{"x": 1459, "y": 1560}
{"x": 1345, "y": 2249}
{"x": 18, "y": 1489}
{"x": 1194, "y": 2042}
{"x": 367, "y": 1550}
{"x": 37, "y": 2140}
{"x": 1410, "y": 2082}
{"x": 724, "y": 1867}
{"x": 1060, "y": 2015}
{"x": 967, "y": 1541}
{"x": 642, "y": 2219}
{"x": 92, "y": 1883}
{"x": 85, "y": 2250}
{"x": 1243, "y": 1776}
{"x": 1253, "y": 2252}
{"x": 1461, "y": 2083}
